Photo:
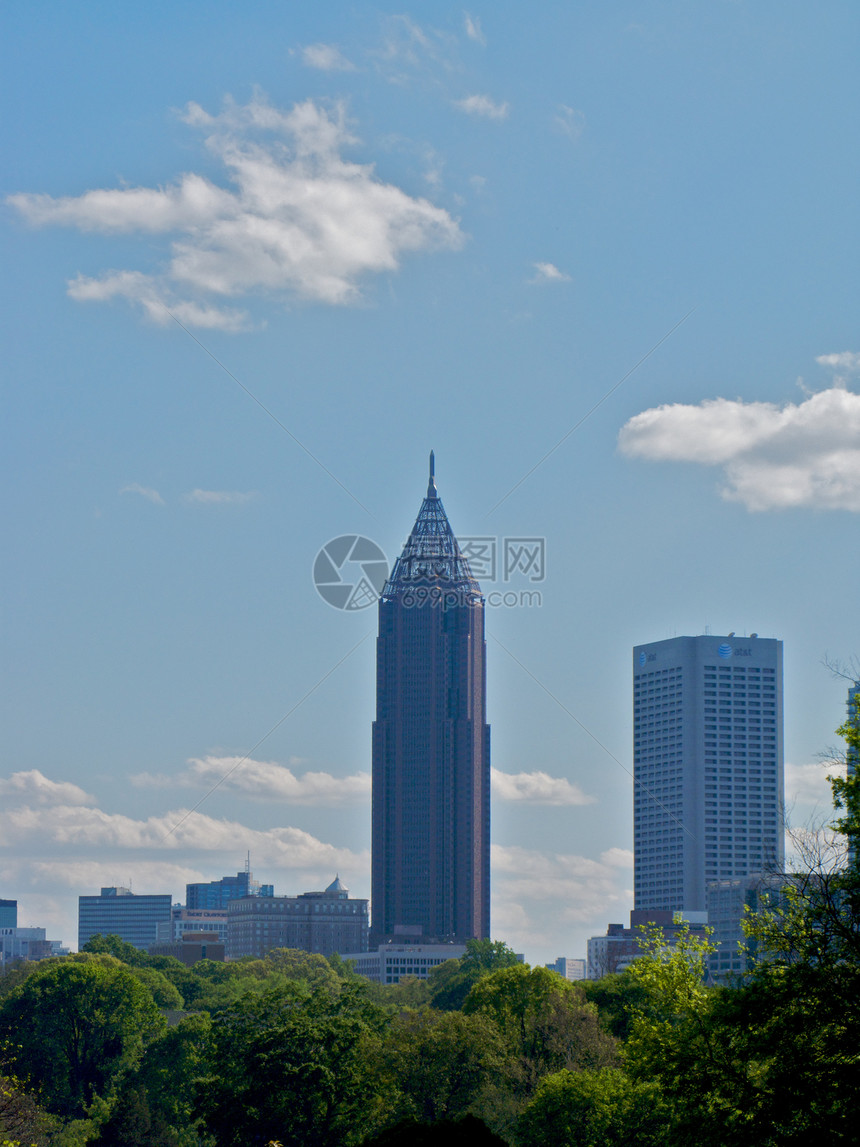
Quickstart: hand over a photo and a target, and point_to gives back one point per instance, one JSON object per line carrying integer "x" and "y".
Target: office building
{"x": 121, "y": 912}
{"x": 323, "y": 922}
{"x": 390, "y": 963}
{"x": 191, "y": 920}
{"x": 707, "y": 764}
{"x": 569, "y": 968}
{"x": 191, "y": 947}
{"x": 617, "y": 950}
{"x": 218, "y": 893}
{"x": 8, "y": 913}
{"x": 729, "y": 901}
{"x": 431, "y": 744}
{"x": 24, "y": 944}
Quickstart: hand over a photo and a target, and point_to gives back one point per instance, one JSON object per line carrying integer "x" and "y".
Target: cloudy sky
{"x": 601, "y": 258}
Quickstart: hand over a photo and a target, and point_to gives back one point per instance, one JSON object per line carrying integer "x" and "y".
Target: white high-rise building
{"x": 707, "y": 766}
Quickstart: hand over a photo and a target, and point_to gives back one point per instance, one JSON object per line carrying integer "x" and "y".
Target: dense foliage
{"x": 116, "y": 1048}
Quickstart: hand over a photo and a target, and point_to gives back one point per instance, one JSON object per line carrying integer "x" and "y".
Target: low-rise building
{"x": 389, "y": 963}
{"x": 569, "y": 968}
{"x": 191, "y": 920}
{"x": 28, "y": 944}
{"x": 323, "y": 922}
{"x": 191, "y": 947}
{"x": 617, "y": 950}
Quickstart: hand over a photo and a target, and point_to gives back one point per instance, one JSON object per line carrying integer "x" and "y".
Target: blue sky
{"x": 397, "y": 230}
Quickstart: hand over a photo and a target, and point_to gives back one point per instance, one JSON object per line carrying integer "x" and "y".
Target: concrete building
{"x": 191, "y": 947}
{"x": 431, "y": 743}
{"x": 27, "y": 944}
{"x": 218, "y": 893}
{"x": 120, "y": 912}
{"x": 617, "y": 950}
{"x": 728, "y": 902}
{"x": 323, "y": 922}
{"x": 389, "y": 963}
{"x": 708, "y": 766}
{"x": 570, "y": 969}
{"x": 8, "y": 913}
{"x": 191, "y": 920}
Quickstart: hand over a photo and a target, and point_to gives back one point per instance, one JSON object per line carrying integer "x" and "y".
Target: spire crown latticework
{"x": 432, "y": 555}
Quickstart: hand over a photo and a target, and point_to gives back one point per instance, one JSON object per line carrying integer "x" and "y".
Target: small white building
{"x": 569, "y": 968}
{"x": 389, "y": 963}
{"x": 27, "y": 944}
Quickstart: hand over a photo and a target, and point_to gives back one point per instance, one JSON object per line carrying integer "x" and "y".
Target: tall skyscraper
{"x": 431, "y": 743}
{"x": 707, "y": 766}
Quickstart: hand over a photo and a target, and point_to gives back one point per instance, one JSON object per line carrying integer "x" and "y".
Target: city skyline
{"x": 601, "y": 259}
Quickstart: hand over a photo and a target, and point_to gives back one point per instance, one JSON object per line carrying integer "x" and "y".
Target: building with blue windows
{"x": 121, "y": 912}
{"x": 707, "y": 766}
{"x": 8, "y": 913}
{"x": 218, "y": 893}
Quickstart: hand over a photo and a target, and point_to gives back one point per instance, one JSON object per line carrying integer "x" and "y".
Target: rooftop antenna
{"x": 248, "y": 862}
{"x": 431, "y": 485}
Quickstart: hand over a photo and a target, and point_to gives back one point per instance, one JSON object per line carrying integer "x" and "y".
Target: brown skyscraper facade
{"x": 431, "y": 743}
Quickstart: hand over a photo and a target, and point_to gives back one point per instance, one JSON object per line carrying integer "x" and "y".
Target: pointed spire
{"x": 432, "y": 557}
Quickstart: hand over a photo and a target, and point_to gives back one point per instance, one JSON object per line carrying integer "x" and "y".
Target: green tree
{"x": 310, "y": 967}
{"x": 75, "y": 1026}
{"x": 292, "y": 1066}
{"x": 22, "y": 1120}
{"x": 617, "y": 996}
{"x": 156, "y": 1103}
{"x": 545, "y": 1020}
{"x": 113, "y": 945}
{"x": 604, "y": 1108}
{"x": 451, "y": 982}
{"x": 469, "y": 1131}
{"x": 436, "y": 1065}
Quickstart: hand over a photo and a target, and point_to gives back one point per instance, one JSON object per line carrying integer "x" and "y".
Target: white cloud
{"x": 265, "y": 780}
{"x": 537, "y": 788}
{"x": 326, "y": 57}
{"x": 535, "y": 891}
{"x": 548, "y": 273}
{"x": 473, "y": 28}
{"x": 299, "y": 221}
{"x": 35, "y": 786}
{"x": 804, "y": 454}
{"x": 219, "y": 497}
{"x": 180, "y": 830}
{"x": 144, "y": 491}
{"x": 808, "y": 786}
{"x": 570, "y": 121}
{"x": 618, "y": 857}
{"x": 482, "y": 106}
{"x": 153, "y": 297}
{"x": 843, "y": 362}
